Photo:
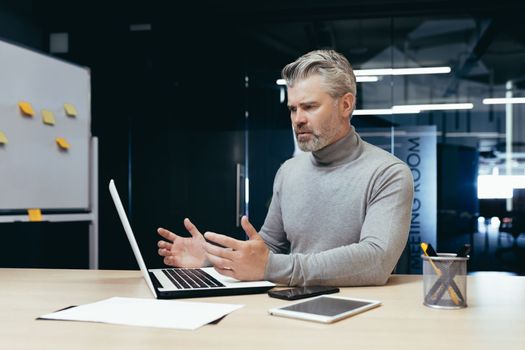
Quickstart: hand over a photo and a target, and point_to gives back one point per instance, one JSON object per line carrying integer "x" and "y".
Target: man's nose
{"x": 299, "y": 117}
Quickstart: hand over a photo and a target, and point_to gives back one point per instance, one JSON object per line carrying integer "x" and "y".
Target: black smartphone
{"x": 302, "y": 292}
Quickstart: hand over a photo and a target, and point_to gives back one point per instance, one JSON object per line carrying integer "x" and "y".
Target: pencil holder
{"x": 445, "y": 281}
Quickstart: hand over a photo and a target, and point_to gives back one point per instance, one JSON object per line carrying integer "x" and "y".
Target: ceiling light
{"x": 359, "y": 79}
{"x": 366, "y": 79}
{"x": 433, "y": 107}
{"x": 413, "y": 109}
{"x": 386, "y": 111}
{"x": 371, "y": 75}
{"x": 372, "y": 111}
{"x": 408, "y": 109}
{"x": 498, "y": 101}
{"x": 402, "y": 71}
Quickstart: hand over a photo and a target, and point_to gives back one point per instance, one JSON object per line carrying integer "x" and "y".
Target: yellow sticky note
{"x": 3, "y": 139}
{"x": 26, "y": 108}
{"x": 48, "y": 117}
{"x": 71, "y": 111}
{"x": 62, "y": 143}
{"x": 34, "y": 214}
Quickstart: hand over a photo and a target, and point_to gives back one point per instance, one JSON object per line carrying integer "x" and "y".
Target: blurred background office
{"x": 192, "y": 120}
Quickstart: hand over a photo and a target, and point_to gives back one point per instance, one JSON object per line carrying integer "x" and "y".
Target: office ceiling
{"x": 483, "y": 42}
{"x": 487, "y": 35}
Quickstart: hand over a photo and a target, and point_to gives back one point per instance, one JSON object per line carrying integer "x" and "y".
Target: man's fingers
{"x": 219, "y": 263}
{"x": 192, "y": 229}
{"x": 170, "y": 236}
{"x": 164, "y": 252}
{"x": 225, "y": 272}
{"x": 223, "y": 240}
{"x": 226, "y": 253}
{"x": 251, "y": 232}
{"x": 164, "y": 245}
{"x": 168, "y": 260}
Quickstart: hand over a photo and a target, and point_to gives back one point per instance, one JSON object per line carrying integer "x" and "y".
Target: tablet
{"x": 325, "y": 309}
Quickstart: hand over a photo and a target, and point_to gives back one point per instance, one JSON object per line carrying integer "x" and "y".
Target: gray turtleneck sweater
{"x": 339, "y": 216}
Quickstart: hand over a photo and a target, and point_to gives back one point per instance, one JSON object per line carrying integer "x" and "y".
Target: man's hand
{"x": 243, "y": 260}
{"x": 180, "y": 251}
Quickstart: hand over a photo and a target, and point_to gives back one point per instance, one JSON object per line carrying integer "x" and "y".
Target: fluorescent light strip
{"x": 402, "y": 71}
{"x": 389, "y": 71}
{"x": 502, "y": 101}
{"x": 360, "y": 79}
{"x": 413, "y": 109}
{"x": 366, "y": 79}
{"x": 432, "y": 107}
{"x": 385, "y": 111}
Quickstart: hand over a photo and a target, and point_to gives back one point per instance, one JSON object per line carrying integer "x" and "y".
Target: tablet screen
{"x": 325, "y": 309}
{"x": 326, "y": 306}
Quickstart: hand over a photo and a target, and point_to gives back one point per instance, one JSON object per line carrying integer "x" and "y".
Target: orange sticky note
{"x": 26, "y": 108}
{"x": 48, "y": 117}
{"x": 34, "y": 214}
{"x": 62, "y": 143}
{"x": 71, "y": 111}
{"x": 3, "y": 139}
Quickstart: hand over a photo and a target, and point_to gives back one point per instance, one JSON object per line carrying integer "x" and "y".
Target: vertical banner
{"x": 416, "y": 146}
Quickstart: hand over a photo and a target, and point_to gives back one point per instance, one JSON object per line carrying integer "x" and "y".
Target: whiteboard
{"x": 34, "y": 171}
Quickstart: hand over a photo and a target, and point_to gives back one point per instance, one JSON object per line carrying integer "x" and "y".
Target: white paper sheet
{"x": 147, "y": 312}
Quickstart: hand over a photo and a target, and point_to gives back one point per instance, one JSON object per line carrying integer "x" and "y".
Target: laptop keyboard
{"x": 191, "y": 278}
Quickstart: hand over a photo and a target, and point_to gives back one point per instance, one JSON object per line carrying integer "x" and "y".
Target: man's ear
{"x": 347, "y": 104}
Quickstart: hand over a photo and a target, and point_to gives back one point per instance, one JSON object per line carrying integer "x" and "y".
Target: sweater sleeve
{"x": 383, "y": 237}
{"x": 272, "y": 231}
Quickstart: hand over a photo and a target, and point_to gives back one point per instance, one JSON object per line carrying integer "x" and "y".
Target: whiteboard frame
{"x": 92, "y": 214}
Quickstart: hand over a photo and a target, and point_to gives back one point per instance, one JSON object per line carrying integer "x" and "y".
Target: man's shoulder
{"x": 293, "y": 165}
{"x": 379, "y": 161}
{"x": 378, "y": 155}
{"x": 298, "y": 160}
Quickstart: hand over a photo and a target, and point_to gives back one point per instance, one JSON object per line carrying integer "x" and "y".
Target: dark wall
{"x": 168, "y": 108}
{"x": 17, "y": 24}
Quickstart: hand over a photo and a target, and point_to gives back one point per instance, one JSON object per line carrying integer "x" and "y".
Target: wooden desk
{"x": 495, "y": 318}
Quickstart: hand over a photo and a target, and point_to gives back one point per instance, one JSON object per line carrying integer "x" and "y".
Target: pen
{"x": 429, "y": 251}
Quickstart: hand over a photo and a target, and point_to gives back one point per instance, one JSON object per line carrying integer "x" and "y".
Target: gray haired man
{"x": 340, "y": 214}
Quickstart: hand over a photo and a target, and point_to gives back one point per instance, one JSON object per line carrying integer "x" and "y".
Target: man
{"x": 339, "y": 215}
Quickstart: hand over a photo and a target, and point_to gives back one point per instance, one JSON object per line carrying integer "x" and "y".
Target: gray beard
{"x": 318, "y": 142}
{"x": 315, "y": 144}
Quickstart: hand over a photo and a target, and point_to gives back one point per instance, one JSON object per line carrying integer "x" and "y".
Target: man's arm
{"x": 272, "y": 231}
{"x": 384, "y": 234}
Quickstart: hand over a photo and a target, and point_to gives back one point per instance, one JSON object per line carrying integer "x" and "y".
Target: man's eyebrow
{"x": 307, "y": 103}
{"x": 303, "y": 103}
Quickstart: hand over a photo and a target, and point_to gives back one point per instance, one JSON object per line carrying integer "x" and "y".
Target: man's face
{"x": 316, "y": 117}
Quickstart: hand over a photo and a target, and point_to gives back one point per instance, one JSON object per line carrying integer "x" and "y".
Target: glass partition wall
{"x": 445, "y": 95}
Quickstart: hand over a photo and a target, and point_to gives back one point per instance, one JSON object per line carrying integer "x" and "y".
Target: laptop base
{"x": 202, "y": 293}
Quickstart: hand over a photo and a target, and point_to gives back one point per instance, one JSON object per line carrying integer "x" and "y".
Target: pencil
{"x": 428, "y": 249}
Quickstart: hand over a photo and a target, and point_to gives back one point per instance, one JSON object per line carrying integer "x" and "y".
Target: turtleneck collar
{"x": 342, "y": 151}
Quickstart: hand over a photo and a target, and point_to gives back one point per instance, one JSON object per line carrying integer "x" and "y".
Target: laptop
{"x": 171, "y": 283}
